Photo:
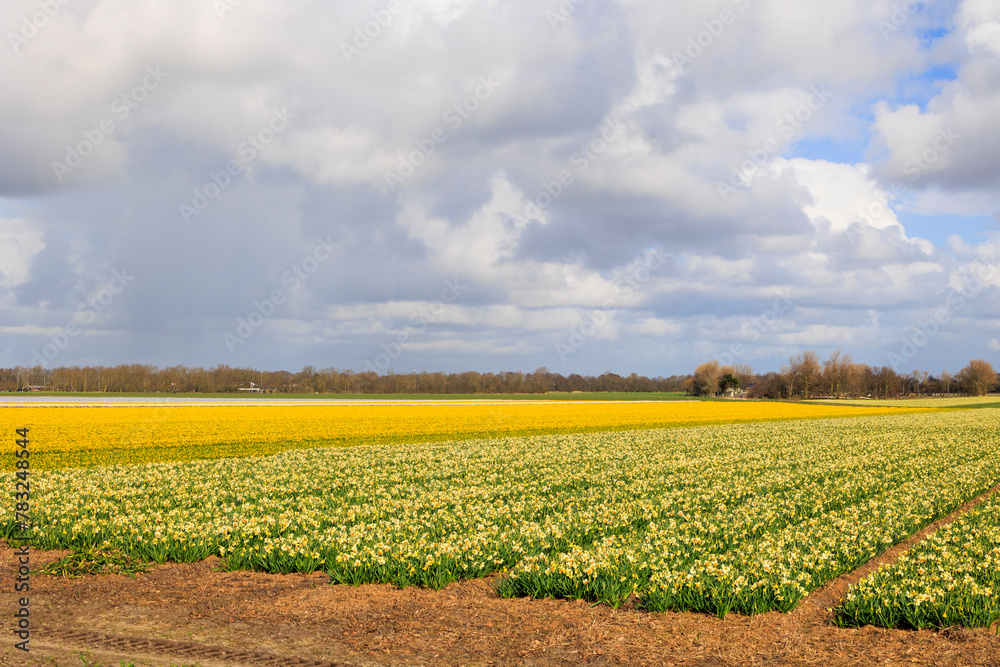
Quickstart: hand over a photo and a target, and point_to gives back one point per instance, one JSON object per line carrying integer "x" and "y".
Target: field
{"x": 718, "y": 507}
{"x": 989, "y": 401}
{"x": 367, "y": 398}
{"x": 953, "y": 577}
{"x": 80, "y": 435}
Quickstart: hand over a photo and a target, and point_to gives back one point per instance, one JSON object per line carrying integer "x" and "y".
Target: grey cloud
{"x": 323, "y": 177}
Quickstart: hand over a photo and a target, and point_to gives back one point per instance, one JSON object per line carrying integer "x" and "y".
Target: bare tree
{"x": 768, "y": 385}
{"x": 835, "y": 371}
{"x": 137, "y": 377}
{"x": 788, "y": 380}
{"x": 977, "y": 378}
{"x": 744, "y": 373}
{"x": 946, "y": 379}
{"x": 886, "y": 382}
{"x": 920, "y": 377}
{"x": 859, "y": 379}
{"x": 804, "y": 371}
{"x": 706, "y": 379}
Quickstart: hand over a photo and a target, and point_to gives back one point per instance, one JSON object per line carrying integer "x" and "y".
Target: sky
{"x": 451, "y": 185}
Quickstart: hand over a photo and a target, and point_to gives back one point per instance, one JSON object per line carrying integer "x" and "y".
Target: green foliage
{"x": 746, "y": 518}
{"x": 93, "y": 561}
{"x": 952, "y": 578}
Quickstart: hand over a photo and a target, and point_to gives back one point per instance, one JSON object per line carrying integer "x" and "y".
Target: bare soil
{"x": 197, "y": 614}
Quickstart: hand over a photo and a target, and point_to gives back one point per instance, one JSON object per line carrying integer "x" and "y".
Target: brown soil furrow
{"x": 249, "y": 614}
{"x": 125, "y": 645}
{"x": 816, "y": 606}
{"x": 195, "y": 613}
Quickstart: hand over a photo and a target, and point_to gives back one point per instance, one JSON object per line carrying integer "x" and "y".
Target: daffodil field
{"x": 951, "y": 578}
{"x": 82, "y": 436}
{"x": 745, "y": 517}
{"x": 934, "y": 402}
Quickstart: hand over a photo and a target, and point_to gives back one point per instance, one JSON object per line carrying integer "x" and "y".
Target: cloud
{"x": 20, "y": 243}
{"x": 950, "y": 143}
{"x": 757, "y": 148}
{"x": 980, "y": 19}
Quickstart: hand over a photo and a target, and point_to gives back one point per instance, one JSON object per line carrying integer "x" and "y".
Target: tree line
{"x": 804, "y": 375}
{"x": 137, "y": 378}
{"x": 840, "y": 377}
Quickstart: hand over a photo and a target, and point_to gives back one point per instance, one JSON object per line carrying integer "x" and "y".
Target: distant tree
{"x": 835, "y": 372}
{"x": 768, "y": 385}
{"x": 728, "y": 382}
{"x": 946, "y": 379}
{"x": 886, "y": 382}
{"x": 802, "y": 371}
{"x": 977, "y": 378}
{"x": 706, "y": 379}
{"x": 859, "y": 379}
{"x": 789, "y": 381}
{"x": 540, "y": 381}
{"x": 744, "y": 373}
{"x": 920, "y": 377}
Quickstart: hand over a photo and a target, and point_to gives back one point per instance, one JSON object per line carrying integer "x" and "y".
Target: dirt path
{"x": 819, "y": 601}
{"x": 192, "y": 613}
{"x": 186, "y": 614}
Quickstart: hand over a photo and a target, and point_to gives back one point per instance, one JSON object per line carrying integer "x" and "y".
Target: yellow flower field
{"x": 741, "y": 518}
{"x": 65, "y": 436}
{"x": 933, "y": 402}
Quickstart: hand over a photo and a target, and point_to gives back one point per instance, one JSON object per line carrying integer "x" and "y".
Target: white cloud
{"x": 656, "y": 327}
{"x": 981, "y": 21}
{"x": 819, "y": 217}
{"x": 951, "y": 143}
{"x": 335, "y": 156}
{"x": 19, "y": 244}
{"x": 838, "y": 192}
{"x": 29, "y": 330}
{"x": 819, "y": 335}
{"x": 842, "y": 196}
